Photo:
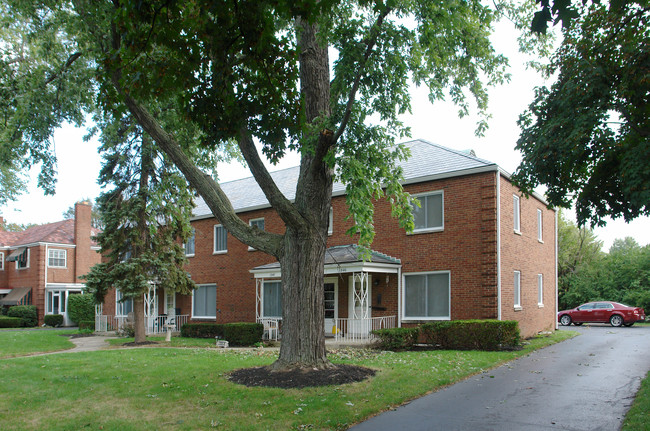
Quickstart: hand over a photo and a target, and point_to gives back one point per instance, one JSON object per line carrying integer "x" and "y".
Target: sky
{"x": 79, "y": 164}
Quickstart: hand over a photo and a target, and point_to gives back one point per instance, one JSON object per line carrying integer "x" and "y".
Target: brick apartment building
{"x": 41, "y": 266}
{"x": 480, "y": 250}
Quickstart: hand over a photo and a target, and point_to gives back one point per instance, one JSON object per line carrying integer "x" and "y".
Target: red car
{"x": 602, "y": 312}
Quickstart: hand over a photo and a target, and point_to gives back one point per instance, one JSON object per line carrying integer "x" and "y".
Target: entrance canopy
{"x": 339, "y": 260}
{"x": 16, "y": 296}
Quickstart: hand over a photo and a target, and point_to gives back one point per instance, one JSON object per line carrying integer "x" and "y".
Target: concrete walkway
{"x": 82, "y": 344}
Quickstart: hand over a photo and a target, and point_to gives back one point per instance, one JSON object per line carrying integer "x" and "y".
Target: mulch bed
{"x": 144, "y": 343}
{"x": 300, "y": 378}
{"x": 75, "y": 335}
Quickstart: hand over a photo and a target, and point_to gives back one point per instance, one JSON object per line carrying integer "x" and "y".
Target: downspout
{"x": 498, "y": 244}
{"x": 45, "y": 304}
{"x": 399, "y": 297}
{"x": 556, "y": 270}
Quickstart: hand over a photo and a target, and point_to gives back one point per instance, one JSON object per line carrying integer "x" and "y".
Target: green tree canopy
{"x": 587, "y": 137}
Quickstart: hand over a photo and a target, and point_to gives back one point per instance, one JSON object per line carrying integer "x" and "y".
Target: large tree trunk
{"x": 138, "y": 319}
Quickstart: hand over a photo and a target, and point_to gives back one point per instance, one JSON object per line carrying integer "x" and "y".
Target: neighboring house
{"x": 41, "y": 266}
{"x": 480, "y": 250}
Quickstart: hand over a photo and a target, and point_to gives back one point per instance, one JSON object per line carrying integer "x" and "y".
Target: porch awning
{"x": 15, "y": 255}
{"x": 342, "y": 259}
{"x": 15, "y": 296}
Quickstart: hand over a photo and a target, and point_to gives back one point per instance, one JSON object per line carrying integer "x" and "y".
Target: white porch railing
{"x": 155, "y": 325}
{"x": 361, "y": 329}
{"x": 272, "y": 327}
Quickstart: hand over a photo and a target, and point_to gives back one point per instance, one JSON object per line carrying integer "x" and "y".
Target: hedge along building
{"x": 41, "y": 265}
{"x": 480, "y": 250}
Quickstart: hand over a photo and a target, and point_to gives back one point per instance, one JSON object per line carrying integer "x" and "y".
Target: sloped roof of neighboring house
{"x": 428, "y": 161}
{"x": 60, "y": 232}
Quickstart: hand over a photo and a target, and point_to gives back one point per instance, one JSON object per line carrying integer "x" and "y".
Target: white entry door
{"x": 331, "y": 294}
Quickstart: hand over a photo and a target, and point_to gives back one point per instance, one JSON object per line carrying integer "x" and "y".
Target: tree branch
{"x": 371, "y": 41}
{"x": 67, "y": 64}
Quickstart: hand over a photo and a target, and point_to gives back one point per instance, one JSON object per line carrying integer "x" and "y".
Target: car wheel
{"x": 565, "y": 320}
{"x": 628, "y": 324}
{"x": 616, "y": 320}
{"x": 577, "y": 323}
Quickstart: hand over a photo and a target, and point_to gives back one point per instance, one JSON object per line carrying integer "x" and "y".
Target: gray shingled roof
{"x": 428, "y": 161}
{"x": 343, "y": 254}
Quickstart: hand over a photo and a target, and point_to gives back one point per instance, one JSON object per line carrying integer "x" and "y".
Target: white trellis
{"x": 150, "y": 308}
{"x": 360, "y": 295}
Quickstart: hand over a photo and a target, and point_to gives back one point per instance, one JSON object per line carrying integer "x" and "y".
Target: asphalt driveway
{"x": 585, "y": 383}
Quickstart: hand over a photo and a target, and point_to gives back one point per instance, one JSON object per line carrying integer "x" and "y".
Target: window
{"x": 426, "y": 296}
{"x": 2, "y": 260}
{"x": 204, "y": 302}
{"x": 517, "y": 214}
{"x": 189, "y": 245}
{"x": 272, "y": 299}
{"x": 56, "y": 258}
{"x": 330, "y": 223}
{"x": 540, "y": 289}
{"x": 220, "y": 239}
{"x": 517, "y": 289}
{"x": 259, "y": 223}
{"x": 539, "y": 225}
{"x": 23, "y": 260}
{"x": 123, "y": 305}
{"x": 429, "y": 217}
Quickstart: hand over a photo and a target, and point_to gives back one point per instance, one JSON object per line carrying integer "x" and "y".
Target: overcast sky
{"x": 79, "y": 163}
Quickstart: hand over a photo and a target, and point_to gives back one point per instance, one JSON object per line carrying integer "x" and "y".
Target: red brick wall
{"x": 523, "y": 252}
{"x": 30, "y": 277}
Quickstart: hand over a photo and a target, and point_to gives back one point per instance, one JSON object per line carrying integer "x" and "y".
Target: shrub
{"x": 396, "y": 338}
{"x": 53, "y": 319}
{"x": 472, "y": 334}
{"x": 27, "y": 313}
{"x": 243, "y": 334}
{"x": 202, "y": 330}
{"x": 81, "y": 308}
{"x": 10, "y": 322}
{"x": 87, "y": 324}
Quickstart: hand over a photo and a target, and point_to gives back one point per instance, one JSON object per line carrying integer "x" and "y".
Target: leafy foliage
{"x": 587, "y": 137}
{"x": 81, "y": 307}
{"x": 10, "y": 322}
{"x": 53, "y": 320}
{"x": 27, "y": 313}
{"x": 396, "y": 339}
{"x": 472, "y": 334}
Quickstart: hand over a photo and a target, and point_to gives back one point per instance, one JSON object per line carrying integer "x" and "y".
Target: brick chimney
{"x": 2, "y": 224}
{"x": 82, "y": 234}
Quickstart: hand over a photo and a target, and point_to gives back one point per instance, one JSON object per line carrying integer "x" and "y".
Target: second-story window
{"x": 330, "y": 225}
{"x": 256, "y": 222}
{"x": 190, "y": 244}
{"x": 2, "y": 260}
{"x": 539, "y": 225}
{"x": 430, "y": 216}
{"x": 516, "y": 213}
{"x": 22, "y": 261}
{"x": 220, "y": 239}
{"x": 56, "y": 258}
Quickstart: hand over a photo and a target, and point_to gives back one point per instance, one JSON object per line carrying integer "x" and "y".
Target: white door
{"x": 331, "y": 295}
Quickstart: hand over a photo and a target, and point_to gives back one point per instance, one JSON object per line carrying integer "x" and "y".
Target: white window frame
{"x": 540, "y": 290}
{"x": 442, "y": 208}
{"x": 253, "y": 222}
{"x": 403, "y": 293}
{"x": 517, "y": 290}
{"x": 193, "y": 241}
{"x": 2, "y": 260}
{"x": 330, "y": 224}
{"x": 51, "y": 255}
{"x": 516, "y": 220}
{"x": 539, "y": 225}
{"x": 214, "y": 239}
{"x": 195, "y": 316}
{"x": 119, "y": 305}
{"x": 18, "y": 268}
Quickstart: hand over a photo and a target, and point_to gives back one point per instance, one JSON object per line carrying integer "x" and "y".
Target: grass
{"x": 187, "y": 389}
{"x": 175, "y": 342}
{"x": 638, "y": 417}
{"x": 23, "y": 342}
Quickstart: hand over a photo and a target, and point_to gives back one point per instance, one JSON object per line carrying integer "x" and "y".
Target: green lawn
{"x": 23, "y": 342}
{"x": 638, "y": 418}
{"x": 186, "y": 389}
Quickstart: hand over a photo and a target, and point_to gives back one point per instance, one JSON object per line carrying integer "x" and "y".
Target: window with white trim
{"x": 539, "y": 225}
{"x": 220, "y": 239}
{"x": 259, "y": 223}
{"x": 56, "y": 258}
{"x": 123, "y": 305}
{"x": 330, "y": 223}
{"x": 517, "y": 289}
{"x": 23, "y": 260}
{"x": 427, "y": 296}
{"x": 204, "y": 302}
{"x": 429, "y": 217}
{"x": 2, "y": 260}
{"x": 540, "y": 289}
{"x": 190, "y": 244}
{"x": 517, "y": 213}
{"x": 272, "y": 299}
